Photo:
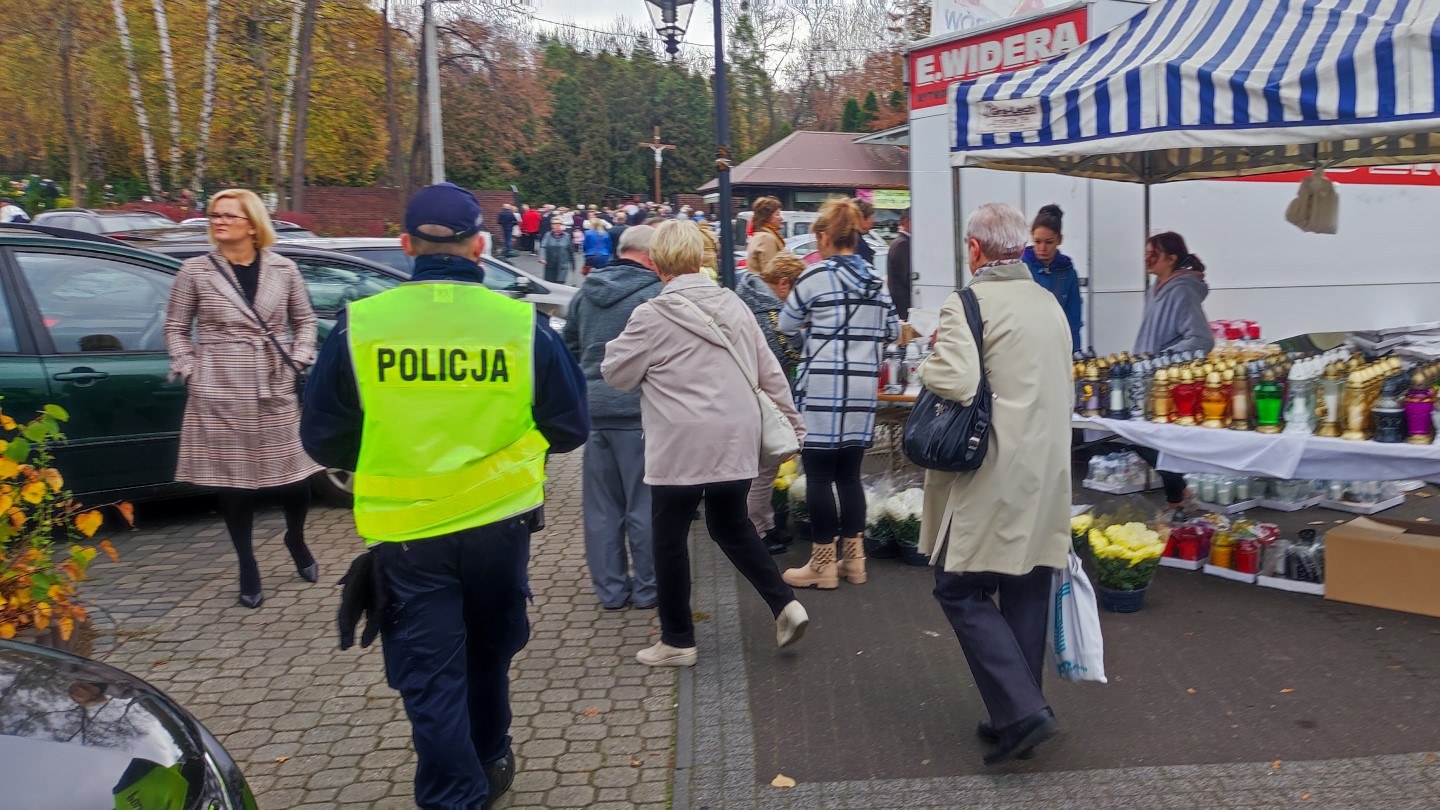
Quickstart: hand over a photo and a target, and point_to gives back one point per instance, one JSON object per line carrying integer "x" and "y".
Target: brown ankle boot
{"x": 852, "y": 562}
{"x": 818, "y": 573}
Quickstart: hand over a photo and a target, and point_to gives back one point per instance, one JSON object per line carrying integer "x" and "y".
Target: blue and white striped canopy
{"x": 1218, "y": 88}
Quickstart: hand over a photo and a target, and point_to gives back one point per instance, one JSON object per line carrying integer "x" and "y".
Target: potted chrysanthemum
{"x": 1126, "y": 555}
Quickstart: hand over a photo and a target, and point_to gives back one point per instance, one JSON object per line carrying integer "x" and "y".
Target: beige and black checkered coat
{"x": 242, "y": 418}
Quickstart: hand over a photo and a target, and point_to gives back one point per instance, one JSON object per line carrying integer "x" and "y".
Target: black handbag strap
{"x": 255, "y": 315}
{"x": 971, "y": 302}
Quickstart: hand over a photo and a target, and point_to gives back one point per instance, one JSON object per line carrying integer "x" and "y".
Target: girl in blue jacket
{"x": 1053, "y": 270}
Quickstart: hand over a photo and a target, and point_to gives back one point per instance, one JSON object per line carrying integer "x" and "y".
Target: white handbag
{"x": 777, "y": 436}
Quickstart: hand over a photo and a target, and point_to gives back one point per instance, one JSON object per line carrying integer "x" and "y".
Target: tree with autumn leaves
{"x": 43, "y": 531}
{"x": 163, "y": 95}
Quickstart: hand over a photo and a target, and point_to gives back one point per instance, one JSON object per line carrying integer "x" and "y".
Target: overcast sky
{"x": 600, "y": 13}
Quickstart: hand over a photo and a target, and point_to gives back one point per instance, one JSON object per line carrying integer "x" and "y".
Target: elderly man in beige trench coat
{"x": 996, "y": 534}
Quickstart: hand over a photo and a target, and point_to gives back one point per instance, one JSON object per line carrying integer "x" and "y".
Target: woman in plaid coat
{"x": 241, "y": 429}
{"x": 841, "y": 307}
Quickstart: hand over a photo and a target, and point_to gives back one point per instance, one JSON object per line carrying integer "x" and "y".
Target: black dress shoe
{"x": 987, "y": 733}
{"x": 252, "y": 600}
{"x": 310, "y": 573}
{"x": 776, "y": 542}
{"x": 500, "y": 774}
{"x": 645, "y": 605}
{"x": 1022, "y": 736}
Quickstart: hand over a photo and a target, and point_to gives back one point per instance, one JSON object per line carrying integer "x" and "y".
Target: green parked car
{"x": 82, "y": 322}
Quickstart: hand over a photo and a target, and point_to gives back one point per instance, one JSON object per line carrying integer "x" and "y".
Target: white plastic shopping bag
{"x": 1075, "y": 625}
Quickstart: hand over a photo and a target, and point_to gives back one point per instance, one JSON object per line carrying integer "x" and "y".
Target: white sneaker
{"x": 663, "y": 655}
{"x": 791, "y": 623}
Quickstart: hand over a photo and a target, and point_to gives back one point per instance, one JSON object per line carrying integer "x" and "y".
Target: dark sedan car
{"x": 79, "y": 733}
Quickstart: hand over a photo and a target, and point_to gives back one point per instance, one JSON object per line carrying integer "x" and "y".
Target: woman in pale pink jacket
{"x": 702, "y": 434}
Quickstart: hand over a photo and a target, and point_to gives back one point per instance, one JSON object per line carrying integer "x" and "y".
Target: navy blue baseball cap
{"x": 446, "y": 205}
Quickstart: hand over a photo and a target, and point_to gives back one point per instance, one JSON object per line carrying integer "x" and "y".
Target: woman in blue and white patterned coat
{"x": 846, "y": 317}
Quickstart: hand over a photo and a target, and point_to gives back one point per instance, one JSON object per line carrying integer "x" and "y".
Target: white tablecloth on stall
{"x": 1206, "y": 450}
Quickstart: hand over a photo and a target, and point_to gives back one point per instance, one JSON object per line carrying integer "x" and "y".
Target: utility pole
{"x": 722, "y": 155}
{"x": 659, "y": 149}
{"x": 432, "y": 82}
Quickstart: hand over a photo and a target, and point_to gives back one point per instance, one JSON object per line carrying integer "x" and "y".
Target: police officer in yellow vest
{"x": 444, "y": 398}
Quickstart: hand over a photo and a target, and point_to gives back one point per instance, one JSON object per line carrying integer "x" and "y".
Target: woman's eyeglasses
{"x": 219, "y": 217}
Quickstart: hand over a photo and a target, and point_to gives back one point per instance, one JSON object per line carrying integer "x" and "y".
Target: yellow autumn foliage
{"x": 38, "y": 569}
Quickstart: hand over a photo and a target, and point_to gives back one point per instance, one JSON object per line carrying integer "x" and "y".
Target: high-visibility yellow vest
{"x": 446, "y": 380}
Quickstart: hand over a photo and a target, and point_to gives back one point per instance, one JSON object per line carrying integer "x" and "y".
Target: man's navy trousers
{"x": 456, "y": 618}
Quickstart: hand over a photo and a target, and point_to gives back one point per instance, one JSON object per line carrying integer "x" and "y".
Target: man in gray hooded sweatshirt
{"x": 616, "y": 501}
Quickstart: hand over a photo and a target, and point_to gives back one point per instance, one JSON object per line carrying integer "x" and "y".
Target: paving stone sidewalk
{"x": 314, "y": 727}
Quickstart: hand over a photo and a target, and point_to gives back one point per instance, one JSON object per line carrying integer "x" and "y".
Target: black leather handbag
{"x": 944, "y": 435}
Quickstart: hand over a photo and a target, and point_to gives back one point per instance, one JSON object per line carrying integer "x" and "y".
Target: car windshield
{"x": 71, "y": 736}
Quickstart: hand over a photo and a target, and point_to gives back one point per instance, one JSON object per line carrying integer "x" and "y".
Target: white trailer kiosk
{"x": 1231, "y": 92}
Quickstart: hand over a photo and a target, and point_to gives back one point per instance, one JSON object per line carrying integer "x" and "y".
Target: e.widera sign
{"x": 932, "y": 70}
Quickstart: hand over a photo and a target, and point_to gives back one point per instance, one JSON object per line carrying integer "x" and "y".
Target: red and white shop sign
{"x": 932, "y": 70}
{"x": 1419, "y": 174}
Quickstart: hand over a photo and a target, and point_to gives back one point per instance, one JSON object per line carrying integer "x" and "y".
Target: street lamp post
{"x": 670, "y": 18}
{"x": 432, "y": 85}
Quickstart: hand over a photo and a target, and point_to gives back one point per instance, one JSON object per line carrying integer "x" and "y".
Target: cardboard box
{"x": 1391, "y": 564}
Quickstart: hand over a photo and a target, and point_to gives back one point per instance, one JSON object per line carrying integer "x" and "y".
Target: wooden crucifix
{"x": 659, "y": 149}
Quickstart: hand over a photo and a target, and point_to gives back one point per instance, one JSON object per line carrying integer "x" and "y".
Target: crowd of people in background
{"x": 661, "y": 384}
{"x": 523, "y": 227}
{"x": 673, "y": 366}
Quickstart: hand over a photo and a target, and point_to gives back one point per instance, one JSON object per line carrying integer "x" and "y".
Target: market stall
{"x": 1192, "y": 89}
{"x": 1281, "y": 456}
{"x": 1218, "y": 90}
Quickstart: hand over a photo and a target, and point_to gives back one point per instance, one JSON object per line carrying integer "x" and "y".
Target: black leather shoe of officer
{"x": 252, "y": 600}
{"x": 500, "y": 774}
{"x": 987, "y": 732}
{"x": 310, "y": 573}
{"x": 1022, "y": 736}
{"x": 776, "y": 542}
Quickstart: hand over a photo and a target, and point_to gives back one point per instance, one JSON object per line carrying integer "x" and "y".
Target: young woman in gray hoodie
{"x": 1174, "y": 307}
{"x": 1174, "y": 321}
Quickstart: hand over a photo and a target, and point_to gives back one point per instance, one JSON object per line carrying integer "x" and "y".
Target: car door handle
{"x": 80, "y": 376}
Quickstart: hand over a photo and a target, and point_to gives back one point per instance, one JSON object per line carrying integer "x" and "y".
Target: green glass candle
{"x": 1269, "y": 401}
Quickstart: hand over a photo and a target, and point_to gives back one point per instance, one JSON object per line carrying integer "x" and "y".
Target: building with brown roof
{"x": 804, "y": 169}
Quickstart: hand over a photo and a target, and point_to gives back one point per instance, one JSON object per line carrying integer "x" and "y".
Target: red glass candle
{"x": 1247, "y": 556}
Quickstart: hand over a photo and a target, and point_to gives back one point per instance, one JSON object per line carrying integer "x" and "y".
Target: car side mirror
{"x": 523, "y": 286}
